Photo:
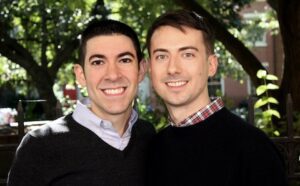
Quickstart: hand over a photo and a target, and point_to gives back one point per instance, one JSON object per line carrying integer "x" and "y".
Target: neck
{"x": 180, "y": 112}
{"x": 119, "y": 121}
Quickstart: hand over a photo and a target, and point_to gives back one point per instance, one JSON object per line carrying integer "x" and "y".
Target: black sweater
{"x": 66, "y": 153}
{"x": 223, "y": 150}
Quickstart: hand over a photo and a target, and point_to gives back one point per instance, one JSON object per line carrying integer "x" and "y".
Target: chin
{"x": 118, "y": 111}
{"x": 174, "y": 104}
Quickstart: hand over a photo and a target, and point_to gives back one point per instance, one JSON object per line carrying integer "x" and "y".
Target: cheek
{"x": 154, "y": 76}
{"x": 92, "y": 79}
{"x": 132, "y": 74}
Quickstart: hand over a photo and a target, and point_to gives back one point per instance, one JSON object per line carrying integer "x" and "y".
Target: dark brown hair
{"x": 179, "y": 19}
{"x": 107, "y": 27}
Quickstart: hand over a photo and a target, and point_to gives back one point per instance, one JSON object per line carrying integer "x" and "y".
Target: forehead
{"x": 171, "y": 37}
{"x": 110, "y": 44}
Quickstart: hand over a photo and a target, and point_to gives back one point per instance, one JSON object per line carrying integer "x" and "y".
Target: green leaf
{"x": 271, "y": 86}
{"x": 260, "y": 102}
{"x": 267, "y": 114}
{"x": 272, "y": 100}
{"x": 261, "y": 89}
{"x": 276, "y": 133}
{"x": 261, "y": 74}
{"x": 271, "y": 77}
{"x": 273, "y": 113}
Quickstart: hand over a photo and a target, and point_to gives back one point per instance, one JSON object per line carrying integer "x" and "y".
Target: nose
{"x": 112, "y": 72}
{"x": 174, "y": 66}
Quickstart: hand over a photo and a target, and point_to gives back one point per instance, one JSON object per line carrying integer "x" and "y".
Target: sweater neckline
{"x": 204, "y": 124}
{"x": 75, "y": 124}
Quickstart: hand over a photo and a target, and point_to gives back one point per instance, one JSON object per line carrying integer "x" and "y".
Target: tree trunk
{"x": 44, "y": 84}
{"x": 288, "y": 12}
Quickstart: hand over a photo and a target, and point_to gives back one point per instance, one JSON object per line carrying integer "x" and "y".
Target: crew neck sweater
{"x": 222, "y": 150}
{"x": 66, "y": 153}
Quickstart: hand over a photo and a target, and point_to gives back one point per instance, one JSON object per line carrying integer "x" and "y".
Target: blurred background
{"x": 39, "y": 44}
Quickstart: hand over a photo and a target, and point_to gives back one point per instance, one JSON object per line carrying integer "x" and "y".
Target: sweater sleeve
{"x": 262, "y": 162}
{"x": 26, "y": 168}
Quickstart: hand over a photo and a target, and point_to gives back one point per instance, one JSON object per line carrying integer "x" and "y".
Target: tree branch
{"x": 12, "y": 50}
{"x": 69, "y": 46}
{"x": 63, "y": 55}
{"x": 44, "y": 38}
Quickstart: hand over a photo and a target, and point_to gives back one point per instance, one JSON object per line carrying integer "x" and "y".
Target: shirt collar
{"x": 201, "y": 115}
{"x": 85, "y": 117}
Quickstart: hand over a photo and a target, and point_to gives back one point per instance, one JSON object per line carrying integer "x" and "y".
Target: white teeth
{"x": 176, "y": 83}
{"x": 114, "y": 91}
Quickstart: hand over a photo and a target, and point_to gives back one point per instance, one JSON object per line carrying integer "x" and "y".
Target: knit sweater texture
{"x": 222, "y": 150}
{"x": 66, "y": 153}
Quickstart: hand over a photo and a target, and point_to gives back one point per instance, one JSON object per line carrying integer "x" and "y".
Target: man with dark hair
{"x": 204, "y": 143}
{"x": 103, "y": 142}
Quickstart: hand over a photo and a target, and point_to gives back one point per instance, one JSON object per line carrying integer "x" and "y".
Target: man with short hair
{"x": 204, "y": 143}
{"x": 104, "y": 142}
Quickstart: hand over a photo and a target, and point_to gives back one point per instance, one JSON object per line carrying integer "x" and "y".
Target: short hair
{"x": 107, "y": 27}
{"x": 179, "y": 19}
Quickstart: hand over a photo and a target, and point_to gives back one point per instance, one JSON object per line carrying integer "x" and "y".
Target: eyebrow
{"x": 125, "y": 54}
{"x": 180, "y": 49}
{"x": 119, "y": 55}
{"x": 96, "y": 56}
{"x": 160, "y": 50}
{"x": 188, "y": 48}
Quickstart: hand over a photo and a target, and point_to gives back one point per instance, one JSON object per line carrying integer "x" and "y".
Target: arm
{"x": 263, "y": 162}
{"x": 26, "y": 168}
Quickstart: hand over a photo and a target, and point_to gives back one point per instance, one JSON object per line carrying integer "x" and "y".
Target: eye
{"x": 161, "y": 57}
{"x": 97, "y": 62}
{"x": 126, "y": 60}
{"x": 188, "y": 55}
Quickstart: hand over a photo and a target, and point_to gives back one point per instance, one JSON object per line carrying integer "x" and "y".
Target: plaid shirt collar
{"x": 200, "y": 115}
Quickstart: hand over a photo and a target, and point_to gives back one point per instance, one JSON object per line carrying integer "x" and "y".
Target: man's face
{"x": 111, "y": 74}
{"x": 180, "y": 67}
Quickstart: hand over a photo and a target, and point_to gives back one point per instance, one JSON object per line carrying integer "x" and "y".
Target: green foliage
{"x": 68, "y": 105}
{"x": 227, "y": 11}
{"x": 140, "y": 14}
{"x": 227, "y": 64}
{"x": 11, "y": 74}
{"x": 154, "y": 115}
{"x": 23, "y": 21}
{"x": 65, "y": 75}
{"x": 43, "y": 29}
{"x": 265, "y": 102}
{"x": 256, "y": 25}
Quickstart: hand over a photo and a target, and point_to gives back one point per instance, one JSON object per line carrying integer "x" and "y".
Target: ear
{"x": 79, "y": 73}
{"x": 143, "y": 65}
{"x": 149, "y": 65}
{"x": 212, "y": 65}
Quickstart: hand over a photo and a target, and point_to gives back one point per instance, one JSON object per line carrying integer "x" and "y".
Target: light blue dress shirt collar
{"x": 103, "y": 128}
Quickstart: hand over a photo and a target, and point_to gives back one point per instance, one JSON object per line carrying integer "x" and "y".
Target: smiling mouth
{"x": 176, "y": 83}
{"x": 114, "y": 91}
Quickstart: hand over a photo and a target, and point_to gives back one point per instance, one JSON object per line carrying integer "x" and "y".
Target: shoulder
{"x": 44, "y": 137}
{"x": 237, "y": 126}
{"x": 54, "y": 127}
{"x": 144, "y": 127}
{"x": 58, "y": 126}
{"x": 252, "y": 141}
